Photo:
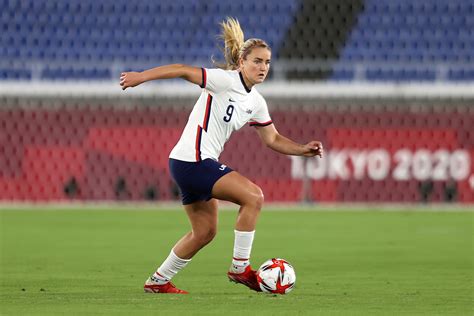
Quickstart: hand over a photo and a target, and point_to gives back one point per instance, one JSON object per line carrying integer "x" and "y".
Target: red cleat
{"x": 169, "y": 287}
{"x": 247, "y": 278}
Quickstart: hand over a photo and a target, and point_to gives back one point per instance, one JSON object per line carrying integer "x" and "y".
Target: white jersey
{"x": 225, "y": 105}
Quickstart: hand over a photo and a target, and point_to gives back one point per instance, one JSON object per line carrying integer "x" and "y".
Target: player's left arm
{"x": 270, "y": 136}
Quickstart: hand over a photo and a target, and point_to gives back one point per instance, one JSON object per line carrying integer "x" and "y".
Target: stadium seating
{"x": 411, "y": 40}
{"x": 88, "y": 147}
{"x": 83, "y": 39}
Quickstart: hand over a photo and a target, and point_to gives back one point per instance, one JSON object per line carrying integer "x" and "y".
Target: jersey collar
{"x": 243, "y": 83}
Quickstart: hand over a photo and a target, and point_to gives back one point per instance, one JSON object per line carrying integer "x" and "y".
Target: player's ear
{"x": 241, "y": 62}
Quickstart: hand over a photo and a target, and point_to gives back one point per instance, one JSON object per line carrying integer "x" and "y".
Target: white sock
{"x": 242, "y": 248}
{"x": 168, "y": 269}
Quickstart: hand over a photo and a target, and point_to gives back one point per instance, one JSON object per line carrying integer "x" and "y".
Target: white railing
{"x": 277, "y": 86}
{"x": 280, "y": 68}
{"x": 359, "y": 70}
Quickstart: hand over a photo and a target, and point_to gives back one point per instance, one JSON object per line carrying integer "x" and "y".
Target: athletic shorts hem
{"x": 196, "y": 179}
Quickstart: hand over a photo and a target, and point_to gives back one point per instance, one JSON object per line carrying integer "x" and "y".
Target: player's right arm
{"x": 189, "y": 73}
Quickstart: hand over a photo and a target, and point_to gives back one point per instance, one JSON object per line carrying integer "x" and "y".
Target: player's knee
{"x": 256, "y": 198}
{"x": 205, "y": 236}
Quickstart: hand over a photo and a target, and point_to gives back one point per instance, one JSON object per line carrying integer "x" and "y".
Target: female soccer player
{"x": 228, "y": 101}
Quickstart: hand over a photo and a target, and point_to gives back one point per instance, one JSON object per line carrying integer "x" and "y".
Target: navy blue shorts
{"x": 196, "y": 179}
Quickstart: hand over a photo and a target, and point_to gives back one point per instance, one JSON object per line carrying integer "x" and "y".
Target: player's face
{"x": 256, "y": 66}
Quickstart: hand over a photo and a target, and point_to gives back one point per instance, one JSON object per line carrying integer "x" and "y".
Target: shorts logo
{"x": 222, "y": 167}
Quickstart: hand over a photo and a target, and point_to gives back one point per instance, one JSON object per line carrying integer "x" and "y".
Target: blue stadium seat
{"x": 15, "y": 74}
{"x": 77, "y": 29}
{"x": 412, "y": 32}
{"x": 78, "y": 74}
{"x": 461, "y": 75}
{"x": 148, "y": 31}
{"x": 400, "y": 75}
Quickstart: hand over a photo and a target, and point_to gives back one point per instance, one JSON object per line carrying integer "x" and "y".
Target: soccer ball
{"x": 276, "y": 276}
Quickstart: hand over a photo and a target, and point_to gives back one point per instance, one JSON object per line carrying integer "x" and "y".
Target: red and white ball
{"x": 276, "y": 276}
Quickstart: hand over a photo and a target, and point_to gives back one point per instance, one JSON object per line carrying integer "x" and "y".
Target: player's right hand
{"x": 130, "y": 79}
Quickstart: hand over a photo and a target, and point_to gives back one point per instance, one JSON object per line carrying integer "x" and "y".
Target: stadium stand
{"x": 84, "y": 39}
{"x": 68, "y": 132}
{"x": 371, "y": 40}
{"x": 412, "y": 40}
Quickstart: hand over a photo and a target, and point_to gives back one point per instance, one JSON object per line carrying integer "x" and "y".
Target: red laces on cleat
{"x": 163, "y": 288}
{"x": 247, "y": 278}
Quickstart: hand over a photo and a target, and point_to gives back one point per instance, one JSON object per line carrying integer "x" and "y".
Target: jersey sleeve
{"x": 261, "y": 116}
{"x": 215, "y": 80}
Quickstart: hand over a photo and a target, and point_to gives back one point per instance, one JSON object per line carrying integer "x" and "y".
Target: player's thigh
{"x": 236, "y": 188}
{"x": 202, "y": 214}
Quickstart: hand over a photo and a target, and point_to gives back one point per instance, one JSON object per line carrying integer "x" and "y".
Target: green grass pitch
{"x": 95, "y": 261}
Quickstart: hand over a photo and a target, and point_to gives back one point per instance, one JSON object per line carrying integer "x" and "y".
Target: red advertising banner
{"x": 104, "y": 153}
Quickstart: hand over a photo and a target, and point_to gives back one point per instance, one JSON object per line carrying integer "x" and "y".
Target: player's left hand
{"x": 313, "y": 148}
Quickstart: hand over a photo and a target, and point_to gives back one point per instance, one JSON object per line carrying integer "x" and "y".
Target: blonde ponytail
{"x": 233, "y": 38}
{"x": 234, "y": 45}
